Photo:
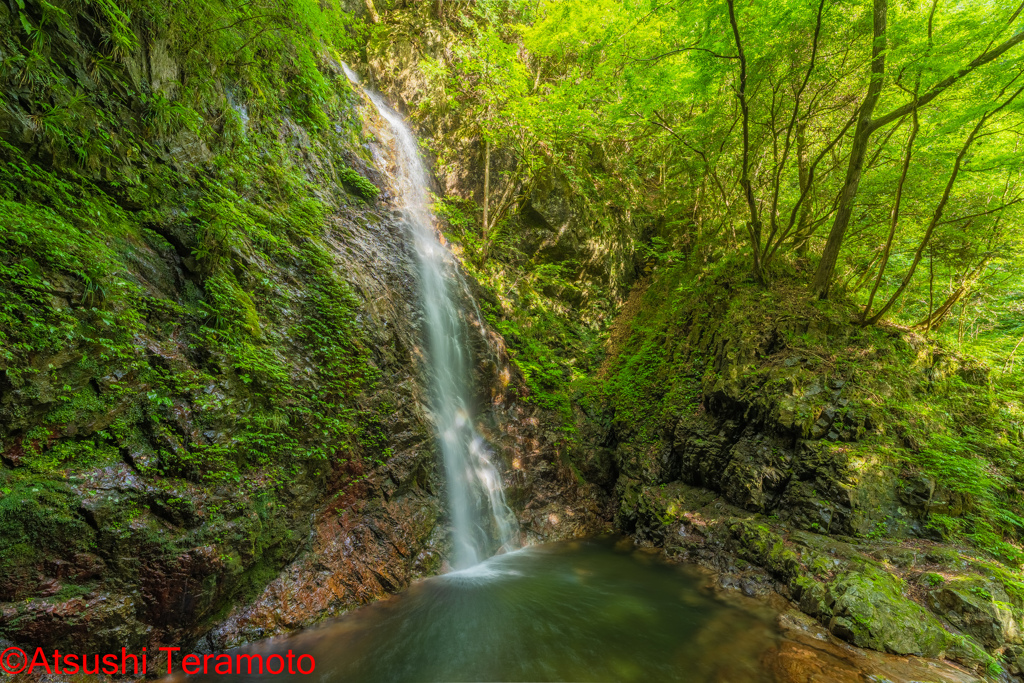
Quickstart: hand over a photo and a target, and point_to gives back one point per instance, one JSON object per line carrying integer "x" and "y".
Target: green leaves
{"x": 366, "y": 189}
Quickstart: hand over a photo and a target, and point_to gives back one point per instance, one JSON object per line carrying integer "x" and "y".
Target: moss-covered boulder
{"x": 871, "y": 610}
{"x": 757, "y": 543}
{"x": 979, "y": 608}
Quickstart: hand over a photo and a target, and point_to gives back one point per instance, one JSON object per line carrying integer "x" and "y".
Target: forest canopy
{"x": 870, "y": 148}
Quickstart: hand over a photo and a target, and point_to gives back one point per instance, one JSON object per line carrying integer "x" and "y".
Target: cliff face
{"x": 786, "y": 409}
{"x": 212, "y": 409}
{"x": 767, "y": 437}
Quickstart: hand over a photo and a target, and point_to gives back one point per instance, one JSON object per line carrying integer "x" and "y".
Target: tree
{"x": 715, "y": 128}
{"x": 858, "y": 150}
{"x": 866, "y": 126}
{"x": 943, "y": 200}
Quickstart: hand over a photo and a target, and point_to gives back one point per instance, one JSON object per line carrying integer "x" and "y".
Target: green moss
{"x": 36, "y": 514}
{"x": 366, "y": 189}
{"x": 872, "y": 611}
{"x": 69, "y": 591}
{"x": 168, "y": 293}
{"x": 704, "y": 337}
{"x": 760, "y": 545}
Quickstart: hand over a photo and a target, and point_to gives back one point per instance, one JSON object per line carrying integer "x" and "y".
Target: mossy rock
{"x": 760, "y": 545}
{"x": 813, "y": 597}
{"x": 979, "y": 608}
{"x": 870, "y": 610}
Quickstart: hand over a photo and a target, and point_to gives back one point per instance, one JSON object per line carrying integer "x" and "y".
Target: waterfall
{"x": 481, "y": 520}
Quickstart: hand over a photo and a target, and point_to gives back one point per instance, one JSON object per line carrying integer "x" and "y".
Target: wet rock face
{"x": 120, "y": 555}
{"x": 768, "y": 427}
{"x": 374, "y": 539}
{"x": 354, "y": 555}
{"x": 922, "y": 601}
{"x": 375, "y": 528}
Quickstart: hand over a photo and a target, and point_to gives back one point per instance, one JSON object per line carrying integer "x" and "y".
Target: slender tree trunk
{"x": 894, "y": 217}
{"x": 754, "y": 224}
{"x": 961, "y": 324}
{"x": 374, "y": 17}
{"x": 1008, "y": 365}
{"x": 487, "y": 191}
{"x": 862, "y": 135}
{"x": 865, "y": 276}
{"x": 499, "y": 208}
{"x": 794, "y": 135}
{"x": 931, "y": 287}
{"x": 936, "y": 217}
{"x": 802, "y": 239}
{"x": 938, "y": 316}
{"x": 933, "y": 321}
{"x": 439, "y": 9}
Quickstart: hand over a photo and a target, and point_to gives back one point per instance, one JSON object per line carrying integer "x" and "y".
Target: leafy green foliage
{"x": 634, "y": 105}
{"x": 619, "y": 121}
{"x": 551, "y": 346}
{"x": 366, "y": 189}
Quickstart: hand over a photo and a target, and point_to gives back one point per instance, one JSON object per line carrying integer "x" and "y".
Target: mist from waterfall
{"x": 481, "y": 520}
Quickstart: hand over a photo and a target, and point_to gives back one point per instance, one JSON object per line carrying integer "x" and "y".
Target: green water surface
{"x": 573, "y": 611}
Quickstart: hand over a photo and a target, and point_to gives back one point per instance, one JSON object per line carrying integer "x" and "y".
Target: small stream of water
{"x": 482, "y": 522}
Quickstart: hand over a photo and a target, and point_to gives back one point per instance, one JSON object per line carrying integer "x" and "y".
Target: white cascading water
{"x": 481, "y": 520}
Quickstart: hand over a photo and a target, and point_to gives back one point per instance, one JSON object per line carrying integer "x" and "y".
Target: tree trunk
{"x": 894, "y": 216}
{"x": 938, "y": 316}
{"x": 865, "y": 276}
{"x": 487, "y": 191}
{"x": 754, "y": 224}
{"x": 1008, "y": 366}
{"x": 931, "y": 287}
{"x": 800, "y": 238}
{"x": 936, "y": 217}
{"x": 374, "y": 17}
{"x": 827, "y": 267}
{"x": 499, "y": 208}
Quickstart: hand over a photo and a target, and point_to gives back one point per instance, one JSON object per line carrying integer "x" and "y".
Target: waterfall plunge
{"x": 480, "y": 517}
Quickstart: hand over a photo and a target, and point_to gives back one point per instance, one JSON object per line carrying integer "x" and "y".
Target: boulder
{"x": 870, "y": 610}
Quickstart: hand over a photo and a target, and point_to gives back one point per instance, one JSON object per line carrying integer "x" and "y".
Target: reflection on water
{"x": 573, "y": 611}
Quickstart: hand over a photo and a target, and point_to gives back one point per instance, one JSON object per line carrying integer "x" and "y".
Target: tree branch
{"x": 945, "y": 83}
{"x": 678, "y": 50}
{"x": 754, "y": 226}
